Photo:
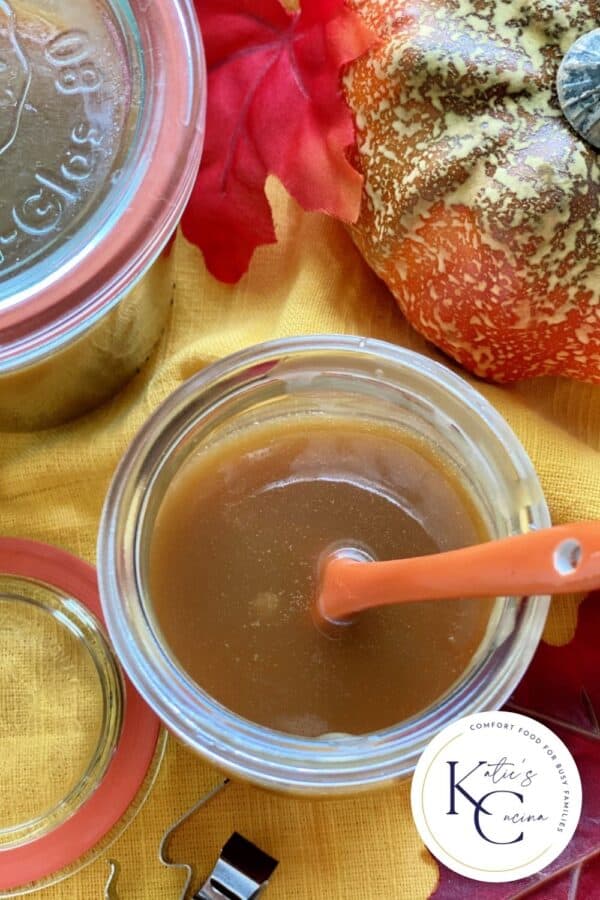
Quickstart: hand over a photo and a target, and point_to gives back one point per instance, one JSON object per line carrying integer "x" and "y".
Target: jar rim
{"x": 134, "y": 222}
{"x": 244, "y": 749}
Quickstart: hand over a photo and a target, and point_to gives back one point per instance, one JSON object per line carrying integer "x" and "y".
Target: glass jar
{"x": 102, "y": 117}
{"x": 336, "y": 375}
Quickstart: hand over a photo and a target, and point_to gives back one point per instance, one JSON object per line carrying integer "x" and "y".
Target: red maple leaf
{"x": 562, "y": 690}
{"x": 274, "y": 106}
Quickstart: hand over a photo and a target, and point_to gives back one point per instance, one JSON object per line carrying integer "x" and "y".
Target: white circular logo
{"x": 496, "y": 796}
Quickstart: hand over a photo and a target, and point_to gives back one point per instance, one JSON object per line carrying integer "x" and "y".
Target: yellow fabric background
{"x": 52, "y": 486}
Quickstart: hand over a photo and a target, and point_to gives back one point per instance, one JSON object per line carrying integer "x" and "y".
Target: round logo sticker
{"x": 496, "y": 796}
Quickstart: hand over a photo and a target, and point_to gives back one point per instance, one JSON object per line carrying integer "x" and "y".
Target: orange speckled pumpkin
{"x": 481, "y": 204}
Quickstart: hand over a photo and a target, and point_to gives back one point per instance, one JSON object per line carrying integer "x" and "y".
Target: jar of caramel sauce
{"x": 101, "y": 126}
{"x": 215, "y": 527}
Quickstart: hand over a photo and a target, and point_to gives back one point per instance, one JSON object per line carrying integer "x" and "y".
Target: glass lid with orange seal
{"x": 80, "y": 750}
{"x": 101, "y": 127}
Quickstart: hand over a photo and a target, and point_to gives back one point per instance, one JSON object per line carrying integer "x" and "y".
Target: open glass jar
{"x": 370, "y": 381}
{"x": 101, "y": 127}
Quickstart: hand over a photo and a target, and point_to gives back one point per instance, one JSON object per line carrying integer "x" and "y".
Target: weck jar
{"x": 375, "y": 385}
{"x": 101, "y": 126}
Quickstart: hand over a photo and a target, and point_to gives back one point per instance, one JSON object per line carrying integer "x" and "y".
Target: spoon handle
{"x": 550, "y": 561}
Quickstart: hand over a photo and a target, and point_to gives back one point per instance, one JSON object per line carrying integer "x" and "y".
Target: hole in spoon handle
{"x": 567, "y": 556}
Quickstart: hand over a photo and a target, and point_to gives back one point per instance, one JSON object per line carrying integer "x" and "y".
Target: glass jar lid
{"x": 79, "y": 748}
{"x": 101, "y": 126}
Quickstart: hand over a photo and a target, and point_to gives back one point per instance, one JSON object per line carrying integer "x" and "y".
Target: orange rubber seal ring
{"x": 134, "y": 752}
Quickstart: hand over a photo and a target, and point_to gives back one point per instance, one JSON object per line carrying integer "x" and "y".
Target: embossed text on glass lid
{"x": 65, "y": 102}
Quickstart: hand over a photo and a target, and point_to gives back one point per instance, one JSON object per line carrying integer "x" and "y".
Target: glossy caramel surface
{"x": 233, "y": 564}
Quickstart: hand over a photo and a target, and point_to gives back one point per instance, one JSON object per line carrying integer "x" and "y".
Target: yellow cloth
{"x": 52, "y": 485}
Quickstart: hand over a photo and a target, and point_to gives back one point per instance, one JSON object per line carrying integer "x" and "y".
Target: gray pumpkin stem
{"x": 578, "y": 86}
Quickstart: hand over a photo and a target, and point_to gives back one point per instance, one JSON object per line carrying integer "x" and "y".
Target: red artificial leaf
{"x": 562, "y": 690}
{"x": 274, "y": 106}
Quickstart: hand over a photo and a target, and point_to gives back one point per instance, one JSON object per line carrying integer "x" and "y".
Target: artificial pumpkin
{"x": 481, "y": 203}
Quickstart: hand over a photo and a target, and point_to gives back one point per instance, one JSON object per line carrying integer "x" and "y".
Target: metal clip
{"x": 242, "y": 872}
{"x": 162, "y": 850}
{"x": 110, "y": 890}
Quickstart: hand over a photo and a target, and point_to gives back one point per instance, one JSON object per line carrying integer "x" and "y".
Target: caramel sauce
{"x": 233, "y": 563}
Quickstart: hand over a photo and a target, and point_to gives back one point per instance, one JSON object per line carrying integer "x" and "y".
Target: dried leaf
{"x": 275, "y": 106}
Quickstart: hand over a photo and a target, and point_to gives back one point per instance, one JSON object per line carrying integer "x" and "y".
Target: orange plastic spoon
{"x": 551, "y": 561}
